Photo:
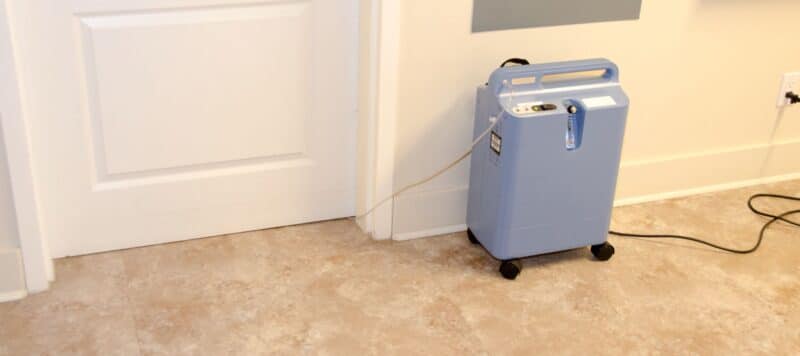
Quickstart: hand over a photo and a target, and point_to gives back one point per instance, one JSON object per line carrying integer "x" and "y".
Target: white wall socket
{"x": 791, "y": 82}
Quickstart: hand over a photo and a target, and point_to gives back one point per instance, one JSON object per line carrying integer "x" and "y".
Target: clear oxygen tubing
{"x": 493, "y": 122}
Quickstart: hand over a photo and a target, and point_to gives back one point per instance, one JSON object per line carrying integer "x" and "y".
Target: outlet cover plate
{"x": 790, "y": 82}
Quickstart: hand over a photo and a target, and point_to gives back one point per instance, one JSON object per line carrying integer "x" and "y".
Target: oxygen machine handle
{"x": 502, "y": 76}
{"x": 611, "y": 71}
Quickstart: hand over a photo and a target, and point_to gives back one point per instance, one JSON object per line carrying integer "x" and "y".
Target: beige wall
{"x": 702, "y": 76}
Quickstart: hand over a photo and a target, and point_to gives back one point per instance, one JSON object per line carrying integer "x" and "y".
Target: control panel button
{"x": 544, "y": 107}
{"x": 531, "y": 108}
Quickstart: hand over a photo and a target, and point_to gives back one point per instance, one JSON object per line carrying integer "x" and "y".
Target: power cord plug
{"x": 793, "y": 98}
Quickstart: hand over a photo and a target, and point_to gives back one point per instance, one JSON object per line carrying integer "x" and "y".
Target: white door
{"x": 161, "y": 120}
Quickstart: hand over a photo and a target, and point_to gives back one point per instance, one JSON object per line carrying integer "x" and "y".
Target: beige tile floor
{"x": 326, "y": 288}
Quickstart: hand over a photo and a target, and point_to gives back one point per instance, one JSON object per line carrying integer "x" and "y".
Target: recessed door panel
{"x": 192, "y": 87}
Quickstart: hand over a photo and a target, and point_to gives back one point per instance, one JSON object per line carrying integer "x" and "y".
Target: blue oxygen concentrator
{"x": 544, "y": 179}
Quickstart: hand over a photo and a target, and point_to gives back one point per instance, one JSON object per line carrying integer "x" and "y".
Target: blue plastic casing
{"x": 551, "y": 186}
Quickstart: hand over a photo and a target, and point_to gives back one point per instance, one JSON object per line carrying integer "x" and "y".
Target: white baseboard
{"x": 12, "y": 296}
{"x": 672, "y": 177}
{"x": 705, "y": 189}
{"x": 431, "y": 213}
{"x": 12, "y": 280}
{"x": 427, "y": 233}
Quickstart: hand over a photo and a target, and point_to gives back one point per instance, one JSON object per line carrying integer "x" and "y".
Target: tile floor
{"x": 326, "y": 288}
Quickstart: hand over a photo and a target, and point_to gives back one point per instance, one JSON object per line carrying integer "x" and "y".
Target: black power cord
{"x": 793, "y": 98}
{"x": 773, "y": 220}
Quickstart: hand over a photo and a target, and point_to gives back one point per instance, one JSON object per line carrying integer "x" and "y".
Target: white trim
{"x": 381, "y": 120}
{"x": 705, "y": 189}
{"x": 12, "y": 296}
{"x": 369, "y": 23}
{"x": 418, "y": 212}
{"x": 16, "y": 290}
{"x": 432, "y": 232}
{"x": 36, "y": 259}
{"x": 714, "y": 170}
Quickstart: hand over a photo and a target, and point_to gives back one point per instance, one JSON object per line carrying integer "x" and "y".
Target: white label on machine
{"x": 496, "y": 143}
{"x": 599, "y": 102}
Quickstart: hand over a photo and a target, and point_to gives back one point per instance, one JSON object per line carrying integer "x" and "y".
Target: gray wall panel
{"x": 491, "y": 15}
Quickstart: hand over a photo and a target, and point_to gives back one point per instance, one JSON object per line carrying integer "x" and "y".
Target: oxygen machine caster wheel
{"x": 510, "y": 269}
{"x": 472, "y": 237}
{"x": 603, "y": 252}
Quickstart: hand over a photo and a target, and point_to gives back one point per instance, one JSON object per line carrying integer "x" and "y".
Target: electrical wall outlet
{"x": 790, "y": 83}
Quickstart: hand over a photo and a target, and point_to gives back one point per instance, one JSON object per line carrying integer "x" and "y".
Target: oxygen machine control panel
{"x": 533, "y": 107}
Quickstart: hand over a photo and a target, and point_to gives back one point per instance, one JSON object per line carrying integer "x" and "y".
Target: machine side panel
{"x": 484, "y": 173}
{"x": 564, "y": 198}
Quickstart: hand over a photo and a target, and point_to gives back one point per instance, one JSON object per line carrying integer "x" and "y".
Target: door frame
{"x": 378, "y": 72}
{"x": 379, "y": 46}
{"x": 36, "y": 261}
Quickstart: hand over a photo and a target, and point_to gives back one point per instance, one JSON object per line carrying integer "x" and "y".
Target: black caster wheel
{"x": 472, "y": 237}
{"x": 603, "y": 252}
{"x": 510, "y": 269}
